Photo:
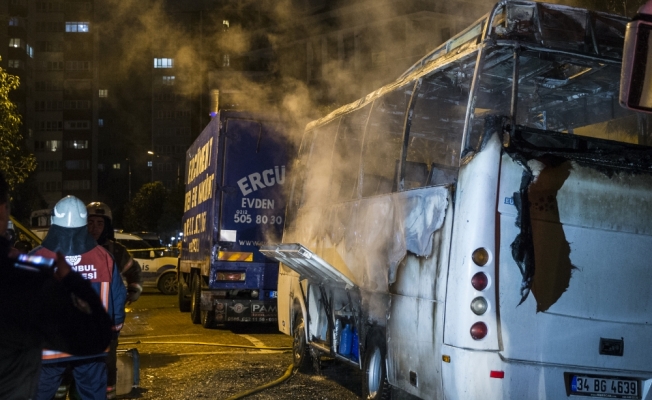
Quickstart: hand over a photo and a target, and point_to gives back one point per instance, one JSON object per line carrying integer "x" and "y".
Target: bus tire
{"x": 195, "y": 299}
{"x": 184, "y": 300}
{"x": 374, "y": 380}
{"x": 300, "y": 349}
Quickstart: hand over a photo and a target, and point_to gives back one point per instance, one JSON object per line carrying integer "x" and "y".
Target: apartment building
{"x": 52, "y": 47}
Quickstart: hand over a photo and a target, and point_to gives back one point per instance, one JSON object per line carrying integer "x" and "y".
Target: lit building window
{"x": 47, "y": 145}
{"x": 14, "y": 21}
{"x": 163, "y": 62}
{"x": 16, "y": 42}
{"x": 149, "y": 163}
{"x": 116, "y": 166}
{"x": 225, "y": 24}
{"x": 30, "y": 50}
{"x": 100, "y": 122}
{"x": 82, "y": 27}
{"x": 77, "y": 144}
{"x": 168, "y": 80}
{"x": 104, "y": 93}
{"x": 226, "y": 60}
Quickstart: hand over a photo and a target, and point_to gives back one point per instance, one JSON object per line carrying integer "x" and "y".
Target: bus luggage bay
{"x": 480, "y": 226}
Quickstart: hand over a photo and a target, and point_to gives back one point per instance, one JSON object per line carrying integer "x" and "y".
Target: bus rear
{"x": 548, "y": 293}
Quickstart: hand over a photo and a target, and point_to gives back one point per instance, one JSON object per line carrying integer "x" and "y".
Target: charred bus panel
{"x": 493, "y": 196}
{"x": 234, "y": 204}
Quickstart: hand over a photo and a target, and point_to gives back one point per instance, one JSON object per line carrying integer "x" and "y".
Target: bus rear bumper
{"x": 471, "y": 374}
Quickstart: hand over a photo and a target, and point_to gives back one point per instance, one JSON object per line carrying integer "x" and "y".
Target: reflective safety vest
{"x": 97, "y": 266}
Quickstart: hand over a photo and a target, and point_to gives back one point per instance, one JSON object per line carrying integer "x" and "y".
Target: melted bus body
{"x": 479, "y": 228}
{"x": 233, "y": 204}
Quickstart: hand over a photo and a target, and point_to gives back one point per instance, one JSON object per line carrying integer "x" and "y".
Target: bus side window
{"x": 435, "y": 136}
{"x": 298, "y": 177}
{"x": 416, "y": 174}
{"x": 493, "y": 96}
{"x": 384, "y": 140}
{"x": 319, "y": 166}
{"x": 346, "y": 158}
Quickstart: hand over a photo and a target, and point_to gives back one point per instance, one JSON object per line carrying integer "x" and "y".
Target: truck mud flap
{"x": 238, "y": 310}
{"x": 307, "y": 264}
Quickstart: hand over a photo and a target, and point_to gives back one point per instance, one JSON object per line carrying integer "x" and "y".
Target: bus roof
{"x": 539, "y": 26}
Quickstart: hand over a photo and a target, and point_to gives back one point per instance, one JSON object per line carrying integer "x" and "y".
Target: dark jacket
{"x": 129, "y": 268}
{"x": 39, "y": 311}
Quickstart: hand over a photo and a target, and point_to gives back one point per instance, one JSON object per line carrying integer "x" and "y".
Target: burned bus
{"x": 479, "y": 227}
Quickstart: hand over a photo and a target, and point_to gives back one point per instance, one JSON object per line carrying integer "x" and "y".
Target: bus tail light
{"x": 479, "y": 281}
{"x": 480, "y": 257}
{"x": 478, "y": 330}
{"x": 479, "y": 305}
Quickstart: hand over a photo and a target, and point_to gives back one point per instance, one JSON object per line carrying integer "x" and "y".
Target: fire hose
{"x": 241, "y": 395}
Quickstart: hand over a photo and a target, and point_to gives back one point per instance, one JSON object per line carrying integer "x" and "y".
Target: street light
{"x": 151, "y": 165}
{"x": 175, "y": 159}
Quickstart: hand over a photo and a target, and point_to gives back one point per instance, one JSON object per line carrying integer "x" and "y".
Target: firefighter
{"x": 69, "y": 236}
{"x": 100, "y": 226}
{"x": 59, "y": 308}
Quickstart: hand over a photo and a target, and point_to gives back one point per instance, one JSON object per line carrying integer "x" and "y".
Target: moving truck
{"x": 234, "y": 203}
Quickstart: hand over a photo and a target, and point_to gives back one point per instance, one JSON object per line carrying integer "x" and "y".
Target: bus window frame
{"x": 401, "y": 156}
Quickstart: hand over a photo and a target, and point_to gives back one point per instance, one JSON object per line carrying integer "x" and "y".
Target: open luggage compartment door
{"x": 307, "y": 264}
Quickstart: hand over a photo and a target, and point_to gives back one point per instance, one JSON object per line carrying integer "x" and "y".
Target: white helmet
{"x": 69, "y": 212}
{"x": 97, "y": 208}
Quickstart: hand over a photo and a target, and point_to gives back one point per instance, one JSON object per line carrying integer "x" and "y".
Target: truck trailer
{"x": 234, "y": 203}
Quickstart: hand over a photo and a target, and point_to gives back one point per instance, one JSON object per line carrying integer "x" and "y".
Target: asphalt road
{"x": 180, "y": 360}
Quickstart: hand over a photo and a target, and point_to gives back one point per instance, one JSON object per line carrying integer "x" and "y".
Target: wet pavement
{"x": 181, "y": 360}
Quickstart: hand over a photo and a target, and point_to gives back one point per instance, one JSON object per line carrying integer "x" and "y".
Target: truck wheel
{"x": 208, "y": 319}
{"x": 300, "y": 349}
{"x": 195, "y": 299}
{"x": 167, "y": 283}
{"x": 374, "y": 381}
{"x": 184, "y": 303}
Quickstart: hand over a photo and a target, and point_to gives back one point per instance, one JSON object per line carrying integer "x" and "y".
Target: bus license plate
{"x": 604, "y": 387}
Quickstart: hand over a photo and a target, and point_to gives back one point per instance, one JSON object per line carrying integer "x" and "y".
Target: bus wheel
{"x": 195, "y": 299}
{"x": 184, "y": 302}
{"x": 300, "y": 349}
{"x": 374, "y": 380}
